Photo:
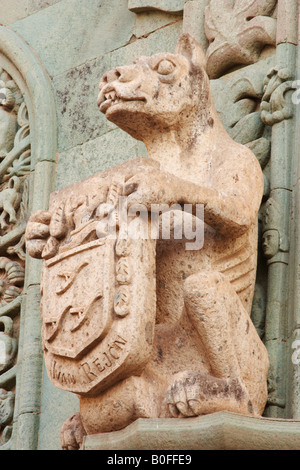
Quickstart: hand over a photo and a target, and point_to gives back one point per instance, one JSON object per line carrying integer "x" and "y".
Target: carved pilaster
{"x": 27, "y": 156}
{"x": 15, "y": 155}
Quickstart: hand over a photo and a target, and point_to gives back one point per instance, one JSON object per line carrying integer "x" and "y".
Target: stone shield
{"x": 98, "y": 312}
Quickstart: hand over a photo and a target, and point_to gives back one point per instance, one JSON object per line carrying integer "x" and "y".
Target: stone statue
{"x": 143, "y": 326}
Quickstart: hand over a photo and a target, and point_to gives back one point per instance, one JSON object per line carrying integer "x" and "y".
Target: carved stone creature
{"x": 10, "y": 199}
{"x": 183, "y": 345}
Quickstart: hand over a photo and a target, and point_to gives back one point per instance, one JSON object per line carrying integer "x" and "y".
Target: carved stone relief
{"x": 136, "y": 324}
{"x": 14, "y": 169}
{"x": 275, "y": 106}
{"x": 237, "y": 33}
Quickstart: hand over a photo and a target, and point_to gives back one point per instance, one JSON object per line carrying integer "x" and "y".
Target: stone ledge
{"x": 218, "y": 431}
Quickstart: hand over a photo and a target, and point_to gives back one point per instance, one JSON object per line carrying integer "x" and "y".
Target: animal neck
{"x": 164, "y": 147}
{"x": 177, "y": 148}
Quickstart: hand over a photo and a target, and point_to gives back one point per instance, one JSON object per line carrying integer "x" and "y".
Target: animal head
{"x": 164, "y": 91}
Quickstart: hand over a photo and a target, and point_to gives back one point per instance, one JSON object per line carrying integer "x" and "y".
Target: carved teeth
{"x": 111, "y": 96}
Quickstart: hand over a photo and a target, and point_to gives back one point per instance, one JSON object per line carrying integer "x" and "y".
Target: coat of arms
{"x": 94, "y": 307}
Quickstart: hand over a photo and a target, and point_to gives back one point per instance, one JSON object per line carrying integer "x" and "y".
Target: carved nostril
{"x": 125, "y": 73}
{"x": 112, "y": 75}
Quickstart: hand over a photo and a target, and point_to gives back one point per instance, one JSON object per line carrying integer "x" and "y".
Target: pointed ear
{"x": 191, "y": 49}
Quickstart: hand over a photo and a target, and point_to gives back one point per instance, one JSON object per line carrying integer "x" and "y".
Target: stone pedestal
{"x": 218, "y": 431}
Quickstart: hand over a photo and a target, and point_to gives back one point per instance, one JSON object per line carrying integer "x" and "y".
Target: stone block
{"x": 150, "y": 21}
{"x": 76, "y": 98}
{"x": 59, "y": 34}
{"x": 94, "y": 156}
{"x": 147, "y": 46}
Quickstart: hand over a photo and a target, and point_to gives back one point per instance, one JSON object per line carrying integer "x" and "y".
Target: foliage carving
{"x": 237, "y": 32}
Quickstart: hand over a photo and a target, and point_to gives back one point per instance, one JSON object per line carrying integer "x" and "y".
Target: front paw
{"x": 193, "y": 393}
{"x": 72, "y": 433}
{"x": 182, "y": 395}
{"x": 150, "y": 186}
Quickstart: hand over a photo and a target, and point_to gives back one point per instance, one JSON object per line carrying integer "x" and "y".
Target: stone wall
{"x": 75, "y": 56}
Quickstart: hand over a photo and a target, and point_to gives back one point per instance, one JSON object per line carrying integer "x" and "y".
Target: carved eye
{"x": 165, "y": 67}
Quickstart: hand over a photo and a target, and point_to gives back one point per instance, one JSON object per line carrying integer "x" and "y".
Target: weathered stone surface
{"x": 12, "y": 10}
{"x": 36, "y": 5}
{"x": 235, "y": 97}
{"x": 69, "y": 39}
{"x": 147, "y": 23}
{"x": 148, "y": 45}
{"x": 99, "y": 154}
{"x": 141, "y": 327}
{"x": 56, "y": 407}
{"x": 76, "y": 93}
{"x": 35, "y": 140}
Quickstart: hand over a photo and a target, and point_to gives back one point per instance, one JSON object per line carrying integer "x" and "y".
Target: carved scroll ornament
{"x": 15, "y": 160}
{"x": 276, "y": 105}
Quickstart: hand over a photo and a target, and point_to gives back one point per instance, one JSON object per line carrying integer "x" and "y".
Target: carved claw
{"x": 72, "y": 433}
{"x": 193, "y": 394}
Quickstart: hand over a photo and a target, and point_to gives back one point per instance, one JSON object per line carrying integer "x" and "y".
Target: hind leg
{"x": 237, "y": 357}
{"x": 118, "y": 406}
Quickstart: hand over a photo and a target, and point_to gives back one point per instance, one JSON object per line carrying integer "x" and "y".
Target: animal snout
{"x": 121, "y": 74}
{"x": 127, "y": 73}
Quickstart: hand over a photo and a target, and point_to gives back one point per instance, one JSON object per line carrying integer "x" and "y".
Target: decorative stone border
{"x": 21, "y": 62}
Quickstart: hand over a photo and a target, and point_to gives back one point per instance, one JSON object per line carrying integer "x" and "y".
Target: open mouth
{"x": 111, "y": 98}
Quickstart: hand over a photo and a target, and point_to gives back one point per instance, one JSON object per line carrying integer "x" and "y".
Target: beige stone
{"x": 136, "y": 324}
